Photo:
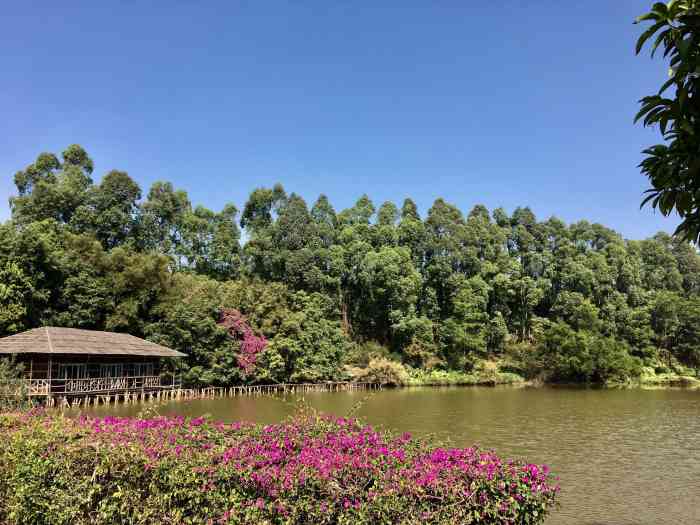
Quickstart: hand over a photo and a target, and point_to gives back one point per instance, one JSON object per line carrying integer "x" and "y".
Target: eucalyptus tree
{"x": 162, "y": 217}
{"x": 209, "y": 242}
{"x": 257, "y": 220}
{"x": 110, "y": 210}
{"x": 412, "y": 233}
{"x": 51, "y": 189}
{"x": 325, "y": 220}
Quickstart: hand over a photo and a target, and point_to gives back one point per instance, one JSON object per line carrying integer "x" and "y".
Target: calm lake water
{"x": 625, "y": 457}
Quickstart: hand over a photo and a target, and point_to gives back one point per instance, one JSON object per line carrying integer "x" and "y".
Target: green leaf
{"x": 647, "y": 34}
{"x": 659, "y": 38}
{"x": 666, "y": 85}
{"x": 660, "y": 8}
{"x": 648, "y": 198}
{"x": 647, "y": 16}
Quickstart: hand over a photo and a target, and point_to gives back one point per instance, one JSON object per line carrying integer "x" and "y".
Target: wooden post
{"x": 50, "y": 377}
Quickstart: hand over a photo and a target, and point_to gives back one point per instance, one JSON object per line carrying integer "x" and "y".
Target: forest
{"x": 286, "y": 292}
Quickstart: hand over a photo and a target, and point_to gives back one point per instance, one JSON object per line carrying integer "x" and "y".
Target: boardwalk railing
{"x": 95, "y": 385}
{"x": 178, "y": 393}
{"x": 38, "y": 387}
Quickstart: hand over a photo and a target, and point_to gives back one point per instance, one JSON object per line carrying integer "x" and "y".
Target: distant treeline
{"x": 332, "y": 291}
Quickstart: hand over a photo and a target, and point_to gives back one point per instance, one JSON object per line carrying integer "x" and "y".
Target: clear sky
{"x": 500, "y": 103}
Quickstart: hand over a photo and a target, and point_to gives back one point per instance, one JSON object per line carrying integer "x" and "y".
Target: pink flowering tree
{"x": 251, "y": 345}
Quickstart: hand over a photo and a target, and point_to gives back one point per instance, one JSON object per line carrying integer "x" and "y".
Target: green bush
{"x": 482, "y": 375}
{"x": 381, "y": 371}
{"x": 13, "y": 390}
{"x": 581, "y": 356}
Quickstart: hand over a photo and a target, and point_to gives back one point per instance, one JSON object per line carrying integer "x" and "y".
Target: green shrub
{"x": 381, "y": 371}
{"x": 360, "y": 354}
{"x": 13, "y": 390}
{"x": 482, "y": 375}
{"x": 581, "y": 356}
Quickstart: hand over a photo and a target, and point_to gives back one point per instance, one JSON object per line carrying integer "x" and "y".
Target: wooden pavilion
{"x": 72, "y": 362}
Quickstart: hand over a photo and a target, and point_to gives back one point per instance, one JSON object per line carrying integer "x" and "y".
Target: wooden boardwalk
{"x": 183, "y": 394}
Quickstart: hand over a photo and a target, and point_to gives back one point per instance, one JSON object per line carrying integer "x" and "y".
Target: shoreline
{"x": 656, "y": 382}
{"x": 664, "y": 382}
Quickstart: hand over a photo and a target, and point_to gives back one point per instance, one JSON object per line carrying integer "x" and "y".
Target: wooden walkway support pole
{"x": 209, "y": 392}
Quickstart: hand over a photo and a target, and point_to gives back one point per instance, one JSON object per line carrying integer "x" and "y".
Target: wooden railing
{"x": 175, "y": 392}
{"x": 95, "y": 385}
{"x": 38, "y": 387}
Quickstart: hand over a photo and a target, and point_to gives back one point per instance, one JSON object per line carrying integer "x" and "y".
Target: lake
{"x": 625, "y": 457}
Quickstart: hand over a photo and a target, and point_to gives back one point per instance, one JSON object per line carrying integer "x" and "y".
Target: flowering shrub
{"x": 251, "y": 344}
{"x": 310, "y": 469}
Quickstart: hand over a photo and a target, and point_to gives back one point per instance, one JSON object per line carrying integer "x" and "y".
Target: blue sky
{"x": 505, "y": 104}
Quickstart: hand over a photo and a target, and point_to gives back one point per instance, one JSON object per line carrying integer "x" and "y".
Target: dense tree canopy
{"x": 329, "y": 291}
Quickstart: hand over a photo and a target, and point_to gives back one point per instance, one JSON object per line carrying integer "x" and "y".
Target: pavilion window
{"x": 112, "y": 370}
{"x": 143, "y": 369}
{"x": 72, "y": 371}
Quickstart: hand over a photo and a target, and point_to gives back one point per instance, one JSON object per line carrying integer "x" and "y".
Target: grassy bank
{"x": 453, "y": 378}
{"x": 498, "y": 372}
{"x": 679, "y": 377}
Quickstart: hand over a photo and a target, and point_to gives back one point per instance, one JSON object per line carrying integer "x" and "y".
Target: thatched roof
{"x": 50, "y": 340}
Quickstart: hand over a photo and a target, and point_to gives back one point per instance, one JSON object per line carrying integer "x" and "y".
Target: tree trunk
{"x": 345, "y": 318}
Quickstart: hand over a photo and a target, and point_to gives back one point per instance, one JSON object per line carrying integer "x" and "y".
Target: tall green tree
{"x": 51, "y": 189}
{"x": 162, "y": 217}
{"x": 110, "y": 210}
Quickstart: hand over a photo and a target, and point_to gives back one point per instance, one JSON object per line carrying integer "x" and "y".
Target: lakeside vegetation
{"x": 312, "y": 294}
{"x": 374, "y": 294}
{"x": 309, "y": 469}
